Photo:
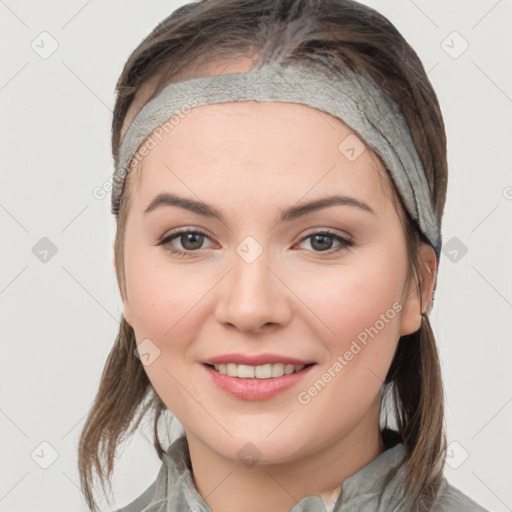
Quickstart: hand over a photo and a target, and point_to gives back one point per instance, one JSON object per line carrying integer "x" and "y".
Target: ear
{"x": 411, "y": 314}
{"x": 127, "y": 312}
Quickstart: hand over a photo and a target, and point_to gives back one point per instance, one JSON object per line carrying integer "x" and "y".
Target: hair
{"x": 339, "y": 33}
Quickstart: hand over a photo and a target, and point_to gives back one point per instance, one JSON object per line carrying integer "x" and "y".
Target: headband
{"x": 353, "y": 98}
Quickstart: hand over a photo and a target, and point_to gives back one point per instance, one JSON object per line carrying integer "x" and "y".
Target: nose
{"x": 253, "y": 297}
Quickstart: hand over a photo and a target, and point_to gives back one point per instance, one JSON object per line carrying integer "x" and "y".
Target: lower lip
{"x": 256, "y": 389}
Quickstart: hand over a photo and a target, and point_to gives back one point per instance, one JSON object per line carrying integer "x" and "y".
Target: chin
{"x": 259, "y": 445}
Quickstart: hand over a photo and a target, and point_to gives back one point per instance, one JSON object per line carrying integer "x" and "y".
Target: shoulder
{"x": 451, "y": 499}
{"x": 173, "y": 488}
{"x": 153, "y": 499}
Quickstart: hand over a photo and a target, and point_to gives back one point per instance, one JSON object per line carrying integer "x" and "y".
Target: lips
{"x": 256, "y": 377}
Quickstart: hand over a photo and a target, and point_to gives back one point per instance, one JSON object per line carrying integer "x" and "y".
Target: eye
{"x": 322, "y": 241}
{"x": 190, "y": 240}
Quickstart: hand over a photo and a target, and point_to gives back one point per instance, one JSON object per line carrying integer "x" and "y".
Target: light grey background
{"x": 59, "y": 312}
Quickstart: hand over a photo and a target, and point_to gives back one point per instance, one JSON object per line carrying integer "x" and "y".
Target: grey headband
{"x": 353, "y": 98}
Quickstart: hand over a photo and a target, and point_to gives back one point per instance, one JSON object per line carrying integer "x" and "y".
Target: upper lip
{"x": 255, "y": 360}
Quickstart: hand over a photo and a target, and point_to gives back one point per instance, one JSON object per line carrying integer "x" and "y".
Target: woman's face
{"x": 263, "y": 283}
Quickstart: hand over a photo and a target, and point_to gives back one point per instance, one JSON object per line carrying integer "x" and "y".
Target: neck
{"x": 228, "y": 486}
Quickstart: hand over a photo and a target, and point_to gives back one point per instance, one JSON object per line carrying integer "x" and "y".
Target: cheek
{"x": 161, "y": 295}
{"x": 348, "y": 301}
{"x": 361, "y": 307}
{"x": 165, "y": 302}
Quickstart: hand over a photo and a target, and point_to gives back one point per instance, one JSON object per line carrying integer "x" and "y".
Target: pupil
{"x": 193, "y": 238}
{"x": 322, "y": 238}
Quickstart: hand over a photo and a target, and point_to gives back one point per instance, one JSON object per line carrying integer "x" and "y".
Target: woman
{"x": 280, "y": 182}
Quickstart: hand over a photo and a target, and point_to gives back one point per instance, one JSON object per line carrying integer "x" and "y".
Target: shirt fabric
{"x": 374, "y": 488}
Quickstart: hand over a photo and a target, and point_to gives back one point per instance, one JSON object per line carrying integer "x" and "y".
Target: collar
{"x": 373, "y": 487}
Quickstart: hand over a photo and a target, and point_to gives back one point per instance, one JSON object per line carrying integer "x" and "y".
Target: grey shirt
{"x": 371, "y": 489}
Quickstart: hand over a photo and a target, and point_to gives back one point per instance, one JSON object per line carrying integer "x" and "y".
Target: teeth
{"x": 277, "y": 370}
{"x": 265, "y": 371}
{"x": 231, "y": 370}
{"x": 243, "y": 371}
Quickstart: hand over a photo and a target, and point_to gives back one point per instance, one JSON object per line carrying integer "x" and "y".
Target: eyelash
{"x": 345, "y": 243}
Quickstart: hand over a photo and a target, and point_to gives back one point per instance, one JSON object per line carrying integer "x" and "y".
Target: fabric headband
{"x": 353, "y": 98}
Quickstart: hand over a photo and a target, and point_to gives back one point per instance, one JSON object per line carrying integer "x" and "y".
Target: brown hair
{"x": 339, "y": 33}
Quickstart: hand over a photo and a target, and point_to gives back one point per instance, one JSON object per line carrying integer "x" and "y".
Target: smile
{"x": 260, "y": 382}
{"x": 265, "y": 371}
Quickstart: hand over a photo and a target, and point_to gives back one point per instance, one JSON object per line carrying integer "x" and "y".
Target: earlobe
{"x": 127, "y": 312}
{"x": 414, "y": 304}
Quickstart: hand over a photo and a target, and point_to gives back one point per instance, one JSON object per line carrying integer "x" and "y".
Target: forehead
{"x": 285, "y": 148}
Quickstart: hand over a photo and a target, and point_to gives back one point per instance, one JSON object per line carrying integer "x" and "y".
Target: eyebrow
{"x": 206, "y": 210}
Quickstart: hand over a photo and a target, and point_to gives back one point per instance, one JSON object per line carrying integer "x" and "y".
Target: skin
{"x": 251, "y": 161}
